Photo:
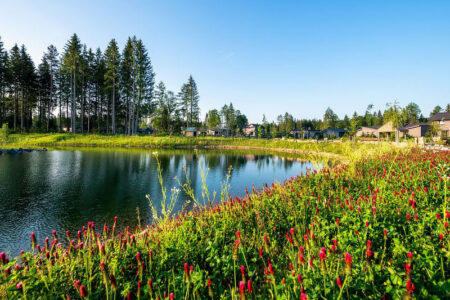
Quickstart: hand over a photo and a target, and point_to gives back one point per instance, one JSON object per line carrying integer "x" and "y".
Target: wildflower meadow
{"x": 376, "y": 230}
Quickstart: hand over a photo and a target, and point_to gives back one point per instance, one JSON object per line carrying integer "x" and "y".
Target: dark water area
{"x": 64, "y": 189}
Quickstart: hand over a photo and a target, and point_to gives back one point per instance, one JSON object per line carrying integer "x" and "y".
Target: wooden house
{"x": 252, "y": 130}
{"x": 442, "y": 121}
{"x": 192, "y": 132}
{"x": 371, "y": 131}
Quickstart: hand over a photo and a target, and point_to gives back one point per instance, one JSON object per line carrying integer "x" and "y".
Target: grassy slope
{"x": 311, "y": 205}
{"x": 333, "y": 150}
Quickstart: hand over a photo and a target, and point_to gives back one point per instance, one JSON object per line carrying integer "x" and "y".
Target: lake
{"x": 64, "y": 189}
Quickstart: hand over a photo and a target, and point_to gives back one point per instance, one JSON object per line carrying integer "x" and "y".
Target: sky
{"x": 266, "y": 57}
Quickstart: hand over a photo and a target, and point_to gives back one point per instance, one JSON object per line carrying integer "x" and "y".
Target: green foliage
{"x": 212, "y": 119}
{"x": 4, "y": 132}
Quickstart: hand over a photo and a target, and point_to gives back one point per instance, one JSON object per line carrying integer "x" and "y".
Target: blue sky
{"x": 264, "y": 56}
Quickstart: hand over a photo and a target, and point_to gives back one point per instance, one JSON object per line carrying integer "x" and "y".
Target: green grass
{"x": 330, "y": 149}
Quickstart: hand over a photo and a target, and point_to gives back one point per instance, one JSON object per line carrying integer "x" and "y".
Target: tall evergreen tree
{"x": 127, "y": 69}
{"x": 190, "y": 98}
{"x": 145, "y": 82}
{"x": 4, "y": 80}
{"x": 51, "y": 57}
{"x": 99, "y": 70}
{"x": 71, "y": 66}
{"x": 44, "y": 86}
{"x": 112, "y": 63}
{"x": 411, "y": 113}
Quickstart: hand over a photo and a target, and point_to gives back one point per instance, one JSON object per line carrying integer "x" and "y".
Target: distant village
{"x": 437, "y": 126}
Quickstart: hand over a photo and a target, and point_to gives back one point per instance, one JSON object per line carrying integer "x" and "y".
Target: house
{"x": 312, "y": 134}
{"x": 296, "y": 133}
{"x": 213, "y": 132}
{"x": 333, "y": 132}
{"x": 412, "y": 130}
{"x": 305, "y": 134}
{"x": 252, "y": 130}
{"x": 368, "y": 131}
{"x": 192, "y": 132}
{"x": 388, "y": 130}
{"x": 442, "y": 121}
{"x": 218, "y": 132}
{"x": 415, "y": 130}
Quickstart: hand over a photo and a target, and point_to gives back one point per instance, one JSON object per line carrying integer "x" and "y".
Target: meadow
{"x": 339, "y": 149}
{"x": 374, "y": 227}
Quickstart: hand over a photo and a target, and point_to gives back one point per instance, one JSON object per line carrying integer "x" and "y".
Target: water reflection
{"x": 62, "y": 190}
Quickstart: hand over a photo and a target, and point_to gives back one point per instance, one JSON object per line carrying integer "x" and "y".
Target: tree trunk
{"x": 60, "y": 111}
{"x": 73, "y": 103}
{"x": 16, "y": 104}
{"x": 22, "y": 116}
{"x": 113, "y": 117}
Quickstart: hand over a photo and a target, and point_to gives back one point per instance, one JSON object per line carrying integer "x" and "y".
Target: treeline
{"x": 114, "y": 91}
{"x": 85, "y": 90}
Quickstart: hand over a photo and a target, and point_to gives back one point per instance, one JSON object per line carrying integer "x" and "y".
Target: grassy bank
{"x": 331, "y": 149}
{"x": 378, "y": 230}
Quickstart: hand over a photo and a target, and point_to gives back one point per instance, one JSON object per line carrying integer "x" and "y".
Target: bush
{"x": 4, "y": 132}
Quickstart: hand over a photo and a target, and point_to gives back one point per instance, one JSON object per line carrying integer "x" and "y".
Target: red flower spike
{"x": 83, "y": 291}
{"x": 348, "y": 259}
{"x": 19, "y": 286}
{"x": 249, "y": 286}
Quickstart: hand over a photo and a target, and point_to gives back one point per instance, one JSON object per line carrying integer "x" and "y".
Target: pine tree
{"x": 127, "y": 68}
{"x": 4, "y": 80}
{"x": 44, "y": 82}
{"x": 71, "y": 65}
{"x": 144, "y": 82}
{"x": 51, "y": 57}
{"x": 99, "y": 70}
{"x": 112, "y": 63}
{"x": 189, "y": 99}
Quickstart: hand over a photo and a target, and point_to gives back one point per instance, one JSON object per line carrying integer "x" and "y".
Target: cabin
{"x": 442, "y": 121}
{"x": 412, "y": 130}
{"x": 388, "y": 130}
{"x": 415, "y": 130}
{"x": 371, "y": 131}
{"x": 222, "y": 132}
{"x": 296, "y": 134}
{"x": 312, "y": 134}
{"x": 192, "y": 132}
{"x": 333, "y": 132}
{"x": 214, "y": 132}
{"x": 252, "y": 130}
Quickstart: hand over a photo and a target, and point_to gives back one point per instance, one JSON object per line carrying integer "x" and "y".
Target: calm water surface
{"x": 64, "y": 189}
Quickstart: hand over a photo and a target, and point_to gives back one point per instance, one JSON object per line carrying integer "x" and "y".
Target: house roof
{"x": 386, "y": 127}
{"x": 191, "y": 129}
{"x": 409, "y": 126}
{"x": 441, "y": 116}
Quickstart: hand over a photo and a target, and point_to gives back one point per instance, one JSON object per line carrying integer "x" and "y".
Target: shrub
{"x": 4, "y": 132}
